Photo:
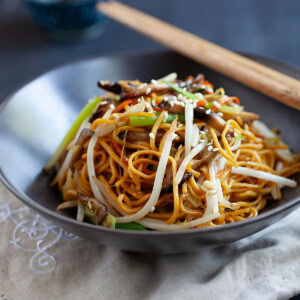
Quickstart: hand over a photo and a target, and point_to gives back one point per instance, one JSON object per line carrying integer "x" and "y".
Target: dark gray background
{"x": 266, "y": 27}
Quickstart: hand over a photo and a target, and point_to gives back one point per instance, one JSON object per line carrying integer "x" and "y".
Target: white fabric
{"x": 263, "y": 266}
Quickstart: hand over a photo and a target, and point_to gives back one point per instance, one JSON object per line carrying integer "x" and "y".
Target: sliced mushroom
{"x": 76, "y": 153}
{"x": 132, "y": 89}
{"x": 206, "y": 155}
{"x": 102, "y": 108}
{"x": 95, "y": 210}
{"x": 200, "y": 113}
{"x": 84, "y": 136}
{"x": 141, "y": 136}
{"x": 137, "y": 136}
{"x": 210, "y": 118}
{"x": 193, "y": 84}
{"x": 176, "y": 109}
{"x": 167, "y": 186}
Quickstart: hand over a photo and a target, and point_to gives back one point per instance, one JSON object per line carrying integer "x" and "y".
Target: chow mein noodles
{"x": 169, "y": 155}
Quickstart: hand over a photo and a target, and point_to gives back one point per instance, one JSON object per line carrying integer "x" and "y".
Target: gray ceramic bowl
{"x": 34, "y": 119}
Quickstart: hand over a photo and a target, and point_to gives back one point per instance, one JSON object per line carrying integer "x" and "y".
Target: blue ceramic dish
{"x": 68, "y": 20}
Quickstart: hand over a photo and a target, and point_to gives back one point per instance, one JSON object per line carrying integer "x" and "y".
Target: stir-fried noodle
{"x": 170, "y": 155}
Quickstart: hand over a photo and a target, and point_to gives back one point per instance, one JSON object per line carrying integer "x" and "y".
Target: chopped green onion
{"x": 209, "y": 105}
{"x": 181, "y": 91}
{"x": 130, "y": 226}
{"x": 187, "y": 94}
{"x": 240, "y": 137}
{"x": 137, "y": 121}
{"x": 86, "y": 111}
{"x": 87, "y": 216}
{"x": 109, "y": 221}
{"x": 230, "y": 109}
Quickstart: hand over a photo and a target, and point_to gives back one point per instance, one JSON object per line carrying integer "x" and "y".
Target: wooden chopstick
{"x": 255, "y": 75}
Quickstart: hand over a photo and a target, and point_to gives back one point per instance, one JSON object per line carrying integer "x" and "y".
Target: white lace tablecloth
{"x": 39, "y": 260}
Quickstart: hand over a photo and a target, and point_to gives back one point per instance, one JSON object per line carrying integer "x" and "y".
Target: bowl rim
{"x": 64, "y": 219}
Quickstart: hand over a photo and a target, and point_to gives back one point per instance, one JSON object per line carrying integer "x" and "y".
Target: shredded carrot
{"x": 206, "y": 82}
{"x": 235, "y": 99}
{"x": 117, "y": 147}
{"x": 224, "y": 101}
{"x": 146, "y": 171}
{"x": 219, "y": 173}
{"x": 119, "y": 150}
{"x": 122, "y": 105}
{"x": 201, "y": 103}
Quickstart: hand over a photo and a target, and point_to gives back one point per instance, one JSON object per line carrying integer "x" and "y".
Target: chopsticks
{"x": 255, "y": 75}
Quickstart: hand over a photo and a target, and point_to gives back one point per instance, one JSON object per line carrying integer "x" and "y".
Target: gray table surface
{"x": 265, "y": 27}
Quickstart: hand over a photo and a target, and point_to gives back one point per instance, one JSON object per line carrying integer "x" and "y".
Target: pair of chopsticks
{"x": 257, "y": 76}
